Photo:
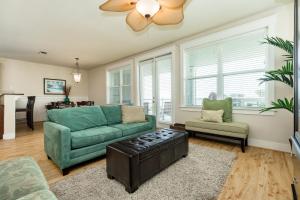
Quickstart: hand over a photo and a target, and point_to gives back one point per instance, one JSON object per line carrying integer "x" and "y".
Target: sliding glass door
{"x": 156, "y": 87}
{"x": 147, "y": 86}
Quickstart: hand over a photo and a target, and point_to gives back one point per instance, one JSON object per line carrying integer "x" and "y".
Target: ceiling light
{"x": 147, "y": 8}
{"x": 144, "y": 12}
{"x": 77, "y": 74}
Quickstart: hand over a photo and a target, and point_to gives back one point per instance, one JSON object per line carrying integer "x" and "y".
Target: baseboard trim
{"x": 8, "y": 136}
{"x": 269, "y": 145}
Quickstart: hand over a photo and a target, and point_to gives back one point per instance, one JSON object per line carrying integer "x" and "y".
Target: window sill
{"x": 240, "y": 111}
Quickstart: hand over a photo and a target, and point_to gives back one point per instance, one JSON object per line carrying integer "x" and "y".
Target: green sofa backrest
{"x": 78, "y": 118}
{"x": 113, "y": 114}
{"x": 225, "y": 105}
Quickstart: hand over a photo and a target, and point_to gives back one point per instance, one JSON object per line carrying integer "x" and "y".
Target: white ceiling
{"x": 77, "y": 28}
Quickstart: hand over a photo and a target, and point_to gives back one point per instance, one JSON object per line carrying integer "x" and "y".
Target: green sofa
{"x": 228, "y": 129}
{"x": 75, "y": 135}
{"x": 22, "y": 179}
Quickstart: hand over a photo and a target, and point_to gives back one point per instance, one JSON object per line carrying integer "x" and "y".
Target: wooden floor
{"x": 258, "y": 174}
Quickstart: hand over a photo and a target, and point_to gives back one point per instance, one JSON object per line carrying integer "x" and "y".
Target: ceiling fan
{"x": 144, "y": 12}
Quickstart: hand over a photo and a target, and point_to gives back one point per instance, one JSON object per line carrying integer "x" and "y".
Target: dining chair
{"x": 29, "y": 111}
{"x": 85, "y": 103}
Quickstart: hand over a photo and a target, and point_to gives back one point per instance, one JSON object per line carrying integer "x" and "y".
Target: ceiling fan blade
{"x": 171, "y": 3}
{"x": 118, "y": 5}
{"x": 137, "y": 21}
{"x": 167, "y": 16}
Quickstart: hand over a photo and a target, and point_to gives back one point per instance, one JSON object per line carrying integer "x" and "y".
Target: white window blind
{"x": 202, "y": 72}
{"x": 119, "y": 86}
{"x": 229, "y": 68}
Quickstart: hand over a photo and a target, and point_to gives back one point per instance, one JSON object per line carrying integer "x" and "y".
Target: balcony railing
{"x": 164, "y": 109}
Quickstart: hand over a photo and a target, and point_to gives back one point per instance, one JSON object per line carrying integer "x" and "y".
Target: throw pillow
{"x": 212, "y": 116}
{"x": 225, "y": 105}
{"x": 132, "y": 114}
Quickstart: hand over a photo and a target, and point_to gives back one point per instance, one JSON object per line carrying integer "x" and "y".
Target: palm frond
{"x": 281, "y": 104}
{"x": 284, "y": 75}
{"x": 286, "y": 45}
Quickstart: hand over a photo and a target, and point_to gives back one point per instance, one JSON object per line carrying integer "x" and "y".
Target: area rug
{"x": 201, "y": 175}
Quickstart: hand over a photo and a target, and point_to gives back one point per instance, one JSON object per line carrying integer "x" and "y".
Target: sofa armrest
{"x": 152, "y": 120}
{"x": 57, "y": 143}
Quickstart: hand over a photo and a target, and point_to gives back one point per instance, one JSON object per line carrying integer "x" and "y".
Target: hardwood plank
{"x": 258, "y": 174}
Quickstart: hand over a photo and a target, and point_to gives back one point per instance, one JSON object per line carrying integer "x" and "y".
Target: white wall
{"x": 27, "y": 77}
{"x": 97, "y": 85}
{"x": 269, "y": 131}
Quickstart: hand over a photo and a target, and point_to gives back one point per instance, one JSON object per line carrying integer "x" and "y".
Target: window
{"x": 228, "y": 68}
{"x": 119, "y": 86}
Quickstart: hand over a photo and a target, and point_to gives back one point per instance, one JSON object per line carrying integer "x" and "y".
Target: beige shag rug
{"x": 201, "y": 175}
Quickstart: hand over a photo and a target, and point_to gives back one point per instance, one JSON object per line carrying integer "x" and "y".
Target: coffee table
{"x": 134, "y": 161}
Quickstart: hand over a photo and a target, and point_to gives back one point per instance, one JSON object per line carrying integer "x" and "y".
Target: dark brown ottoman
{"x": 134, "y": 161}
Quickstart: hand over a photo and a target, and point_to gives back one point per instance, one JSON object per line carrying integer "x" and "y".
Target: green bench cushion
{"x": 78, "y": 118}
{"x": 112, "y": 113}
{"x": 132, "y": 128}
{"x": 94, "y": 136}
{"x": 40, "y": 195}
{"x": 20, "y": 177}
{"x": 217, "y": 132}
{"x": 236, "y": 128}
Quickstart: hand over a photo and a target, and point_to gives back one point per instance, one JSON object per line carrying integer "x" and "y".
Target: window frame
{"x": 119, "y": 67}
{"x": 209, "y": 39}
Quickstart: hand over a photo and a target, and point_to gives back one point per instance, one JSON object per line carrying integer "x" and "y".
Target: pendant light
{"x": 77, "y": 74}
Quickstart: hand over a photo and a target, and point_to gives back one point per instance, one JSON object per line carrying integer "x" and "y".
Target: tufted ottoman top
{"x": 149, "y": 141}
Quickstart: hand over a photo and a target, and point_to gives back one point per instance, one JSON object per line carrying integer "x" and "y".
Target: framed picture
{"x": 54, "y": 86}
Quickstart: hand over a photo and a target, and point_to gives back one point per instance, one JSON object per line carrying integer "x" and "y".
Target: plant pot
{"x": 67, "y": 100}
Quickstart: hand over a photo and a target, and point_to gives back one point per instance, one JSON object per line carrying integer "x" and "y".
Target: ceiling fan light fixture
{"x": 147, "y": 8}
{"x": 144, "y": 12}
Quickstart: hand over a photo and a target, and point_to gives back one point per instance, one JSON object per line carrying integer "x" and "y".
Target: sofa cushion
{"x": 94, "y": 136}
{"x": 112, "y": 113}
{"x": 132, "y": 128}
{"x": 20, "y": 177}
{"x": 78, "y": 118}
{"x": 40, "y": 195}
{"x": 234, "y": 127}
{"x": 133, "y": 114}
{"x": 225, "y": 105}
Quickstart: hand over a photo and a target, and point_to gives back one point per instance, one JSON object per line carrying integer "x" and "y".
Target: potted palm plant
{"x": 283, "y": 75}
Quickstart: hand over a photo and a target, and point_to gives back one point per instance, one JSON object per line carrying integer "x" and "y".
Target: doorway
{"x": 155, "y": 77}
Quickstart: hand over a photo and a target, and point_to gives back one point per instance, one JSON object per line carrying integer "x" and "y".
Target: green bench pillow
{"x": 225, "y": 105}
